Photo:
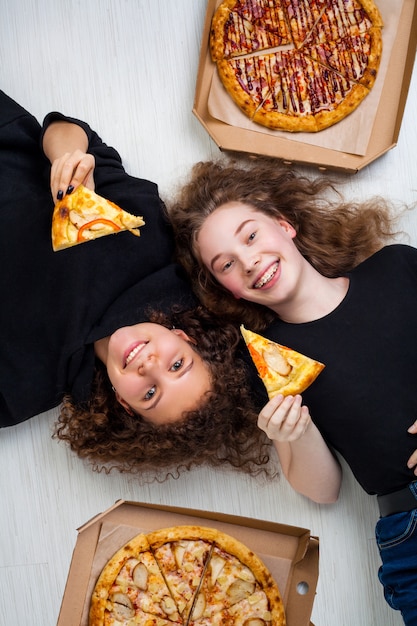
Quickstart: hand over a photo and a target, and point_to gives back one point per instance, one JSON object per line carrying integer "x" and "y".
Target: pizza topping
{"x": 169, "y": 607}
{"x": 95, "y": 224}
{"x": 239, "y": 590}
{"x": 275, "y": 360}
{"x": 216, "y": 565}
{"x": 140, "y": 576}
{"x": 199, "y": 606}
{"x": 122, "y": 606}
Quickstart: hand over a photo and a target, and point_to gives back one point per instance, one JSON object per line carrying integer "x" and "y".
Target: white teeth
{"x": 132, "y": 354}
{"x": 266, "y": 277}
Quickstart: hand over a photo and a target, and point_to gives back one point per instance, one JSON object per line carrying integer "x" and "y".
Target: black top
{"x": 366, "y": 397}
{"x": 56, "y": 304}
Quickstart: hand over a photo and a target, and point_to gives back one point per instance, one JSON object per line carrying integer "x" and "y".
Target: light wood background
{"x": 128, "y": 67}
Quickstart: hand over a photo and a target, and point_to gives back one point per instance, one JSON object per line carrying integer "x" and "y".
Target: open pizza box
{"x": 290, "y": 553}
{"x": 363, "y": 136}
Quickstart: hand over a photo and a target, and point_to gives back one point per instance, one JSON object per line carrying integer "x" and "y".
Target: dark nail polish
{"x": 60, "y": 194}
{"x": 70, "y": 189}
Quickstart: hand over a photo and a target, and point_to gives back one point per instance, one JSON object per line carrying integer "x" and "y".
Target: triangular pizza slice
{"x": 281, "y": 369}
{"x": 182, "y": 560}
{"x": 84, "y": 215}
{"x": 239, "y": 28}
{"x": 132, "y": 586}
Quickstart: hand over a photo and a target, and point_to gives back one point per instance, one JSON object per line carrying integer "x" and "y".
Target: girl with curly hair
{"x": 274, "y": 250}
{"x": 109, "y": 329}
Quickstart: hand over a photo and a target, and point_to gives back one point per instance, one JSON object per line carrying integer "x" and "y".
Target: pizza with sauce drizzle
{"x": 297, "y": 65}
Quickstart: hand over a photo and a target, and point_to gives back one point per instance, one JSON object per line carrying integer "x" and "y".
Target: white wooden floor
{"x": 128, "y": 67}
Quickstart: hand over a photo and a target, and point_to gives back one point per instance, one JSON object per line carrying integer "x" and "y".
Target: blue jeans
{"x": 396, "y": 536}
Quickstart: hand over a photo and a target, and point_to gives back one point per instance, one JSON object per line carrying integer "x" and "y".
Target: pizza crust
{"x": 220, "y": 582}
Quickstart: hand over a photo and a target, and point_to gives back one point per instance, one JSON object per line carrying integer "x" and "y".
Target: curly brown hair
{"x": 222, "y": 431}
{"x": 334, "y": 236}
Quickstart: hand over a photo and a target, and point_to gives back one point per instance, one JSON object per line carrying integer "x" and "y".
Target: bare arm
{"x": 65, "y": 144}
{"x": 307, "y": 462}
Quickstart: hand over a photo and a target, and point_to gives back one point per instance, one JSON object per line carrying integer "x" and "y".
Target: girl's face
{"x": 154, "y": 371}
{"x": 251, "y": 254}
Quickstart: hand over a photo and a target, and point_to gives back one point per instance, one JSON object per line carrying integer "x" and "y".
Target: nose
{"x": 146, "y": 364}
{"x": 251, "y": 263}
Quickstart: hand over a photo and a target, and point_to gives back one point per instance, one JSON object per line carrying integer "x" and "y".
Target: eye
{"x": 227, "y": 266}
{"x": 177, "y": 365}
{"x": 252, "y": 236}
{"x": 150, "y": 394}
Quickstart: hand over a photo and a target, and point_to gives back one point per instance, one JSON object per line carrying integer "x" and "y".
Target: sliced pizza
{"x": 281, "y": 369}
{"x": 189, "y": 576}
{"x": 297, "y": 65}
{"x": 83, "y": 216}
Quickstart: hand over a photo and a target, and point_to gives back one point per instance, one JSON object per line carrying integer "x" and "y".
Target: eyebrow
{"x": 237, "y": 232}
{"x": 181, "y": 374}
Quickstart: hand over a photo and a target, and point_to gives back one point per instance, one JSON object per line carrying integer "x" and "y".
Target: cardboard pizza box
{"x": 366, "y": 134}
{"x": 290, "y": 553}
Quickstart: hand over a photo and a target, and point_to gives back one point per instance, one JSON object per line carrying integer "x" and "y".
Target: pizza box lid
{"x": 291, "y": 553}
{"x": 387, "y": 115}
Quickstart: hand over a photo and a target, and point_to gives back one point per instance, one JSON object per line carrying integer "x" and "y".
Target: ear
{"x": 183, "y": 335}
{"x": 124, "y": 404}
{"x": 288, "y": 228}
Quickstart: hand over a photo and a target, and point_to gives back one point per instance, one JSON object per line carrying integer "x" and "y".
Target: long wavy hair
{"x": 333, "y": 235}
{"x": 223, "y": 431}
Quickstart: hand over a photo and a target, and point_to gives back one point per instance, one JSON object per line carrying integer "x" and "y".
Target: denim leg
{"x": 396, "y": 537}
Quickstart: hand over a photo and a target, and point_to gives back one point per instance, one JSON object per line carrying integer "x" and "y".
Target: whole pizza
{"x": 186, "y": 576}
{"x": 297, "y": 65}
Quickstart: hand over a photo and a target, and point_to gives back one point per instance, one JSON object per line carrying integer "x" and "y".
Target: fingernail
{"x": 60, "y": 194}
{"x": 70, "y": 189}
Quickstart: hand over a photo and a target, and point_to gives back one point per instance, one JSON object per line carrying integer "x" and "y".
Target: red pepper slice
{"x": 100, "y": 220}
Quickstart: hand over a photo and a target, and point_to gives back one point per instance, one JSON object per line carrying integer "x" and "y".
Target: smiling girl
{"x": 109, "y": 330}
{"x": 270, "y": 249}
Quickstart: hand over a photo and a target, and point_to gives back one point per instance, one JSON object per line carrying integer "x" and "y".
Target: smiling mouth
{"x": 131, "y": 355}
{"x": 267, "y": 276}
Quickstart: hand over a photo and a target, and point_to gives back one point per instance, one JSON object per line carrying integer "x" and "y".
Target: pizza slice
{"x": 247, "y": 80}
{"x": 236, "y": 589}
{"x": 182, "y": 559}
{"x": 281, "y": 369}
{"x": 240, "y": 28}
{"x": 345, "y": 18}
{"x": 131, "y": 586}
{"x": 84, "y": 215}
{"x": 251, "y": 611}
{"x": 302, "y": 17}
{"x": 355, "y": 57}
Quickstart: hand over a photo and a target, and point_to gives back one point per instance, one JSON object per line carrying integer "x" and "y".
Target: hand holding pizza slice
{"x": 84, "y": 215}
{"x": 281, "y": 369}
